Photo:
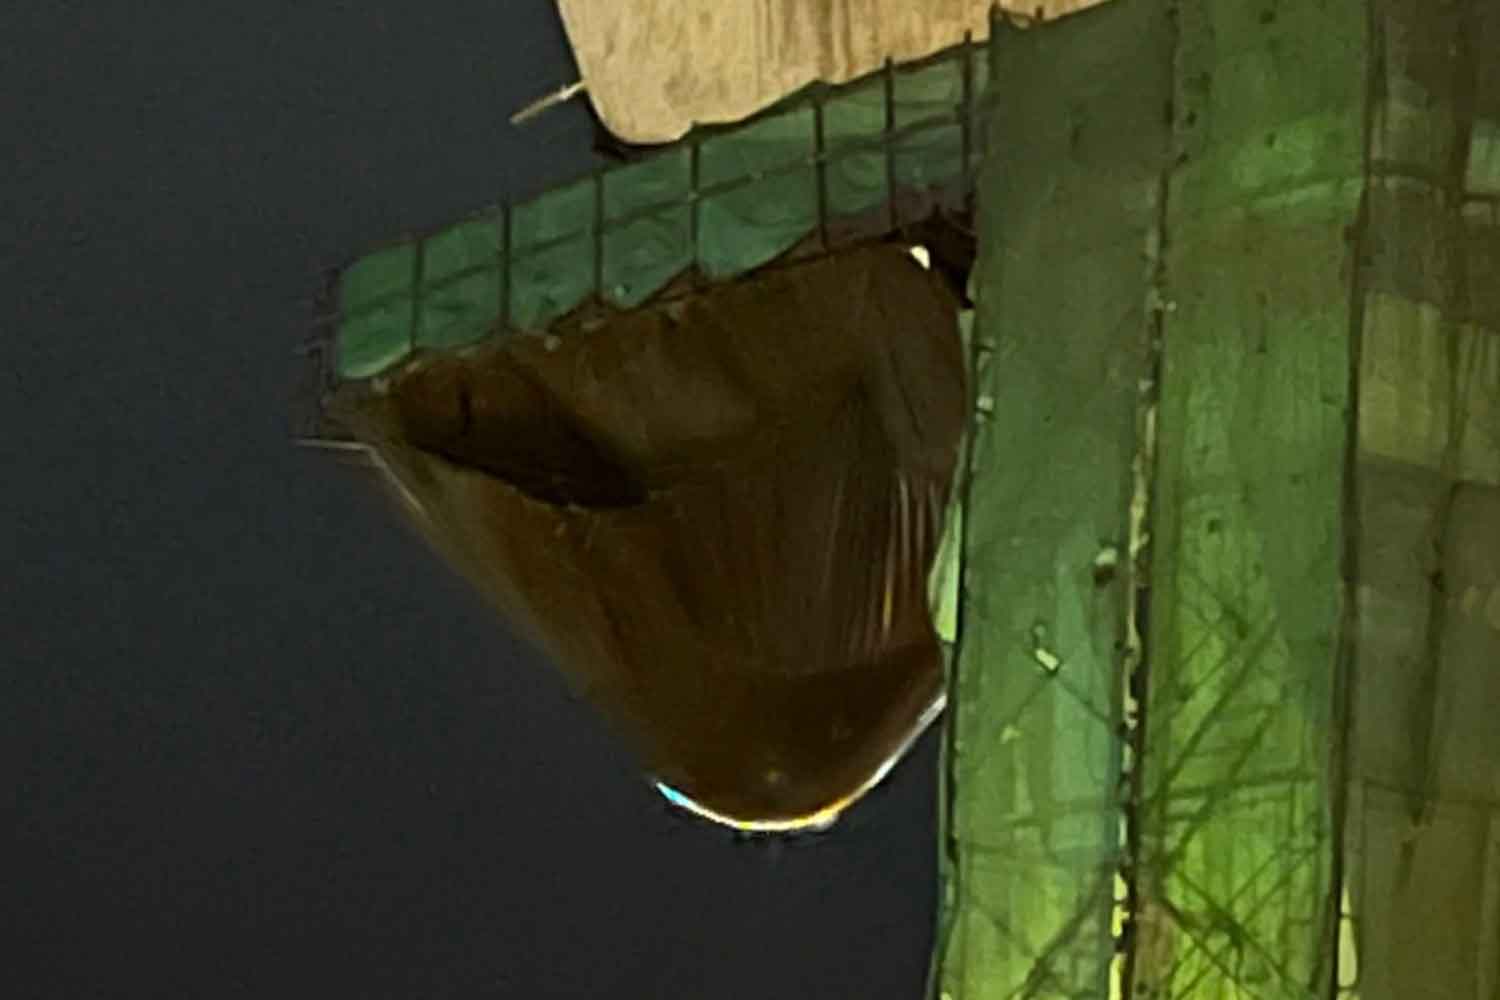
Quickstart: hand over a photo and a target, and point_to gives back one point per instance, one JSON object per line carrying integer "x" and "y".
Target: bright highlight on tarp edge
{"x": 823, "y": 818}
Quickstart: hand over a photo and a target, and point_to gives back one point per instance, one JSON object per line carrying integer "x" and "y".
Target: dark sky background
{"x": 254, "y": 739}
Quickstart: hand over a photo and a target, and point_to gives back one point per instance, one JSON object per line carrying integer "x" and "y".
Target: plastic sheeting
{"x": 1253, "y": 343}
{"x": 655, "y": 69}
{"x": 825, "y": 169}
{"x": 1066, "y": 201}
{"x": 1237, "y": 878}
{"x": 718, "y": 515}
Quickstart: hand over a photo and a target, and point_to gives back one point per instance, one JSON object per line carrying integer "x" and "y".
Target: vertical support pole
{"x": 890, "y": 141}
{"x": 418, "y": 266}
{"x": 598, "y": 235}
{"x": 821, "y": 153}
{"x": 328, "y": 339}
{"x": 505, "y": 239}
{"x": 693, "y": 181}
{"x": 966, "y": 127}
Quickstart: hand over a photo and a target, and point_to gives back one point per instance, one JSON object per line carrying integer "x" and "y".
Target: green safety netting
{"x": 1229, "y": 640}
{"x": 1033, "y": 760}
{"x": 721, "y": 202}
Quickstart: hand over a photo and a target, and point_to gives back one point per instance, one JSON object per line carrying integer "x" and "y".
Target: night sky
{"x": 255, "y": 740}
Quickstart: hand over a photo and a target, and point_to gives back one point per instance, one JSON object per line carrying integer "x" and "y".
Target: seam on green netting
{"x": 1454, "y": 308}
{"x": 1134, "y": 682}
{"x": 1346, "y": 659}
{"x": 950, "y": 901}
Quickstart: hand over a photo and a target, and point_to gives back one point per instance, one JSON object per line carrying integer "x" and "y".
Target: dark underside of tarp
{"x": 718, "y": 514}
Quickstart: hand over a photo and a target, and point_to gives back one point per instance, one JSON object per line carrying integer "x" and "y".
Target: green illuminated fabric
{"x": 1238, "y": 843}
{"x": 1066, "y": 204}
{"x": 1252, "y": 250}
{"x": 634, "y": 228}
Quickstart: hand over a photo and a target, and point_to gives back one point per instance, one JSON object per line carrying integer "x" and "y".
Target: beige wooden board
{"x": 655, "y": 68}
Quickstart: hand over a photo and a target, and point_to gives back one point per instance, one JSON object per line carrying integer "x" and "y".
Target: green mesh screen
{"x": 1238, "y": 289}
{"x": 724, "y": 202}
{"x": 1066, "y": 200}
{"x": 1225, "y": 594}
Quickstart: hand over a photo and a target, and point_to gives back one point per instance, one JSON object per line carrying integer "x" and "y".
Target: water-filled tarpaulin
{"x": 655, "y": 69}
{"x": 718, "y": 514}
